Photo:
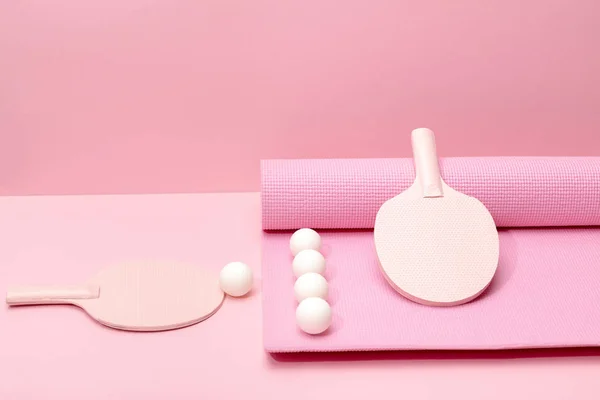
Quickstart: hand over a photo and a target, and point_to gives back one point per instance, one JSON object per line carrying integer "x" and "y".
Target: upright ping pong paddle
{"x": 436, "y": 246}
{"x": 136, "y": 297}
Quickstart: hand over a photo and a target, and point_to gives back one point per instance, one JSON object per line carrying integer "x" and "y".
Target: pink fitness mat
{"x": 346, "y": 193}
{"x": 546, "y": 291}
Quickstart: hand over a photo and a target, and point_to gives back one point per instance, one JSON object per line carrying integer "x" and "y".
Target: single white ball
{"x": 235, "y": 279}
{"x": 308, "y": 261}
{"x": 303, "y": 239}
{"x": 311, "y": 284}
{"x": 313, "y": 315}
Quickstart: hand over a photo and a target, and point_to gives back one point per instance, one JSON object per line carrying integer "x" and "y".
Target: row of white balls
{"x": 313, "y": 314}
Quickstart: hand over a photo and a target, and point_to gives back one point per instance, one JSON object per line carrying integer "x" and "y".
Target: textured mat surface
{"x": 346, "y": 193}
{"x": 545, "y": 294}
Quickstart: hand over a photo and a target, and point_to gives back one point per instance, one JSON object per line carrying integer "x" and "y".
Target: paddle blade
{"x": 154, "y": 296}
{"x": 437, "y": 251}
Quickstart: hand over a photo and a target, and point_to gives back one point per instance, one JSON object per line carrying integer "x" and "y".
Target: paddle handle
{"x": 426, "y": 162}
{"x": 30, "y": 295}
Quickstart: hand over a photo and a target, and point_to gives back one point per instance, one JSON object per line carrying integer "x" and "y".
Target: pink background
{"x": 184, "y": 96}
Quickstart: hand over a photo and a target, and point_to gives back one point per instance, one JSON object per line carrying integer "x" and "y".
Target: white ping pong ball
{"x": 235, "y": 279}
{"x": 308, "y": 261}
{"x": 313, "y": 315}
{"x": 311, "y": 284}
{"x": 304, "y": 239}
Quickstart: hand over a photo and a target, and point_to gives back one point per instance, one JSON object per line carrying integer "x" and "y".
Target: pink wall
{"x": 161, "y": 96}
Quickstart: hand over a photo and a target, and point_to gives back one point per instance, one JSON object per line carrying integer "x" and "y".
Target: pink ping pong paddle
{"x": 136, "y": 297}
{"x": 436, "y": 246}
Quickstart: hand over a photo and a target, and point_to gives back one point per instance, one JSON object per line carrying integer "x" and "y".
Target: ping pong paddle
{"x": 435, "y": 245}
{"x": 137, "y": 296}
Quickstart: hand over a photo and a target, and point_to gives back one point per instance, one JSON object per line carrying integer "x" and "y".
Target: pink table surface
{"x": 57, "y": 352}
